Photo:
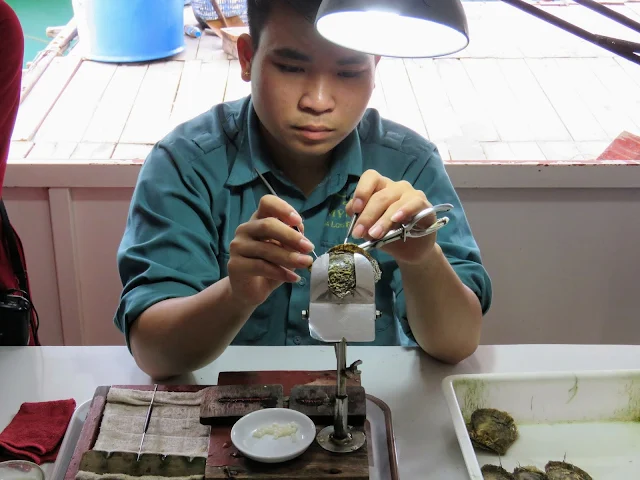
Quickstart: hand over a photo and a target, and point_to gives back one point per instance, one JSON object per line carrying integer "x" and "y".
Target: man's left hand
{"x": 383, "y": 205}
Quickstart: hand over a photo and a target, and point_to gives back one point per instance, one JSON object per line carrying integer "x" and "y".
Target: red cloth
{"x": 7, "y": 277}
{"x": 625, "y": 147}
{"x": 11, "y": 59}
{"x": 37, "y": 430}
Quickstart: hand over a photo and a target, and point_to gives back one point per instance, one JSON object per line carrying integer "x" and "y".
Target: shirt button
{"x": 296, "y": 340}
{"x": 302, "y": 282}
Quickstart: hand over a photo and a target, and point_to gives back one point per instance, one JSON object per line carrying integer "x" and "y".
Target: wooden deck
{"x": 522, "y": 90}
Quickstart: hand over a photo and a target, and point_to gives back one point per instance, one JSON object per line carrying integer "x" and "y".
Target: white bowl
{"x": 20, "y": 470}
{"x": 268, "y": 449}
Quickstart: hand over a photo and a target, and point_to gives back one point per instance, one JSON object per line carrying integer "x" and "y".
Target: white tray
{"x": 383, "y": 442}
{"x": 591, "y": 417}
{"x": 69, "y": 441}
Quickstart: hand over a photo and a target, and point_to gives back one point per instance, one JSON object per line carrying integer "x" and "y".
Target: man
{"x": 209, "y": 258}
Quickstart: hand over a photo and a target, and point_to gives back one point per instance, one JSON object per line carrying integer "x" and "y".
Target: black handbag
{"x": 19, "y": 320}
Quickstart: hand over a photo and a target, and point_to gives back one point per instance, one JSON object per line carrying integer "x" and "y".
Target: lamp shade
{"x": 395, "y": 28}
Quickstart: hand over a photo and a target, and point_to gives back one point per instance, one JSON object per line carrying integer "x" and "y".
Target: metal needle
{"x": 146, "y": 422}
{"x": 273, "y": 192}
{"x": 353, "y": 222}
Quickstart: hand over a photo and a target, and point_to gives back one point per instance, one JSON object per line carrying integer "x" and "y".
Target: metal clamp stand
{"x": 340, "y": 437}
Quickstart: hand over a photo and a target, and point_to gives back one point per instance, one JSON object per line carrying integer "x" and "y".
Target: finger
{"x": 262, "y": 268}
{"x": 377, "y": 205}
{"x": 413, "y": 203}
{"x": 399, "y": 212}
{"x": 275, "y": 242}
{"x": 273, "y": 229}
{"x": 271, "y": 253}
{"x": 349, "y": 207}
{"x": 272, "y": 206}
{"x": 370, "y": 182}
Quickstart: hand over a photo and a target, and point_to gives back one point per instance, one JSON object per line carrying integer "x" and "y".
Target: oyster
{"x": 529, "y": 473}
{"x": 493, "y": 472}
{"x": 565, "y": 471}
{"x": 492, "y": 430}
{"x": 342, "y": 268}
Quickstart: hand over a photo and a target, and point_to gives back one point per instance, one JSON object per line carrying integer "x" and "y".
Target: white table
{"x": 408, "y": 381}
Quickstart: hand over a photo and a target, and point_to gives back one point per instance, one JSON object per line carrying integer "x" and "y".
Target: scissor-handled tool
{"x": 410, "y": 230}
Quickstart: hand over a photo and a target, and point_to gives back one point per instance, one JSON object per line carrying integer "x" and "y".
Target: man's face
{"x": 308, "y": 93}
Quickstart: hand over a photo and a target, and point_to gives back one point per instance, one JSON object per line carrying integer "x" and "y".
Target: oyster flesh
{"x": 493, "y": 472}
{"x": 492, "y": 430}
{"x": 565, "y": 471}
{"x": 529, "y": 473}
{"x": 342, "y": 268}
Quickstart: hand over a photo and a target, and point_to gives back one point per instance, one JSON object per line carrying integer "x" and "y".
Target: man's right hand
{"x": 266, "y": 251}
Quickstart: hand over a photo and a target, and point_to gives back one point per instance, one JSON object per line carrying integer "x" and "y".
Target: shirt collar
{"x": 251, "y": 154}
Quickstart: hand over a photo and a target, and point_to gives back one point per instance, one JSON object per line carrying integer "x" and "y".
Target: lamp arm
{"x": 610, "y": 13}
{"x": 623, "y": 48}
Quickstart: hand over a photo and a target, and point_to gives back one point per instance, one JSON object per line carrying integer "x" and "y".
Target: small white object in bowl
{"x": 273, "y": 435}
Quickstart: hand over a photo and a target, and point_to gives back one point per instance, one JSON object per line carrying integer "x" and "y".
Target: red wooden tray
{"x": 224, "y": 461}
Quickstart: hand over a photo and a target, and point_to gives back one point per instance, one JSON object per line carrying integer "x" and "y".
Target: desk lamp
{"x": 431, "y": 28}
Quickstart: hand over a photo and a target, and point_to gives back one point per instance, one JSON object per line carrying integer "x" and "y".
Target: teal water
{"x": 35, "y": 16}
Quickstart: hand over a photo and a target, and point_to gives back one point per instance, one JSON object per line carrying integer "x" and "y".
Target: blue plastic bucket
{"x": 128, "y": 31}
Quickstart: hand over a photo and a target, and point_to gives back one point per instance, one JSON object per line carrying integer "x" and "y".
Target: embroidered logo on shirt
{"x": 337, "y": 217}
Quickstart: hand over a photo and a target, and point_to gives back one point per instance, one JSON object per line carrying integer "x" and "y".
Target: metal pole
{"x": 341, "y": 429}
{"x": 623, "y": 48}
{"x": 610, "y": 13}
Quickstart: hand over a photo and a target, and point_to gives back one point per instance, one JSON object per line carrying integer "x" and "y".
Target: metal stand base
{"x": 340, "y": 437}
{"x": 354, "y": 440}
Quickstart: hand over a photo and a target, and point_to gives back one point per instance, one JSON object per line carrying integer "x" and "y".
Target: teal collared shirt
{"x": 198, "y": 185}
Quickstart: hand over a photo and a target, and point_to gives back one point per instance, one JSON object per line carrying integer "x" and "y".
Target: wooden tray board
{"x": 91, "y": 426}
{"x": 224, "y": 461}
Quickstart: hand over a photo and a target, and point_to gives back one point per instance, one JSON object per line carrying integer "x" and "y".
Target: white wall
{"x": 28, "y": 209}
{"x": 564, "y": 263}
{"x": 559, "y": 242}
{"x": 70, "y": 241}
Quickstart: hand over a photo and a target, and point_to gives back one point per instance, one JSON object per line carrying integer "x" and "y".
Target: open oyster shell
{"x": 342, "y": 269}
{"x": 494, "y": 472}
{"x": 492, "y": 430}
{"x": 529, "y": 473}
{"x": 565, "y": 471}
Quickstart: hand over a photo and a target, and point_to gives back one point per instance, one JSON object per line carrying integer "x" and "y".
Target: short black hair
{"x": 258, "y": 13}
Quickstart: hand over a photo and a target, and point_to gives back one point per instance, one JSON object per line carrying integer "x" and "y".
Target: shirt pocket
{"x": 256, "y": 328}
